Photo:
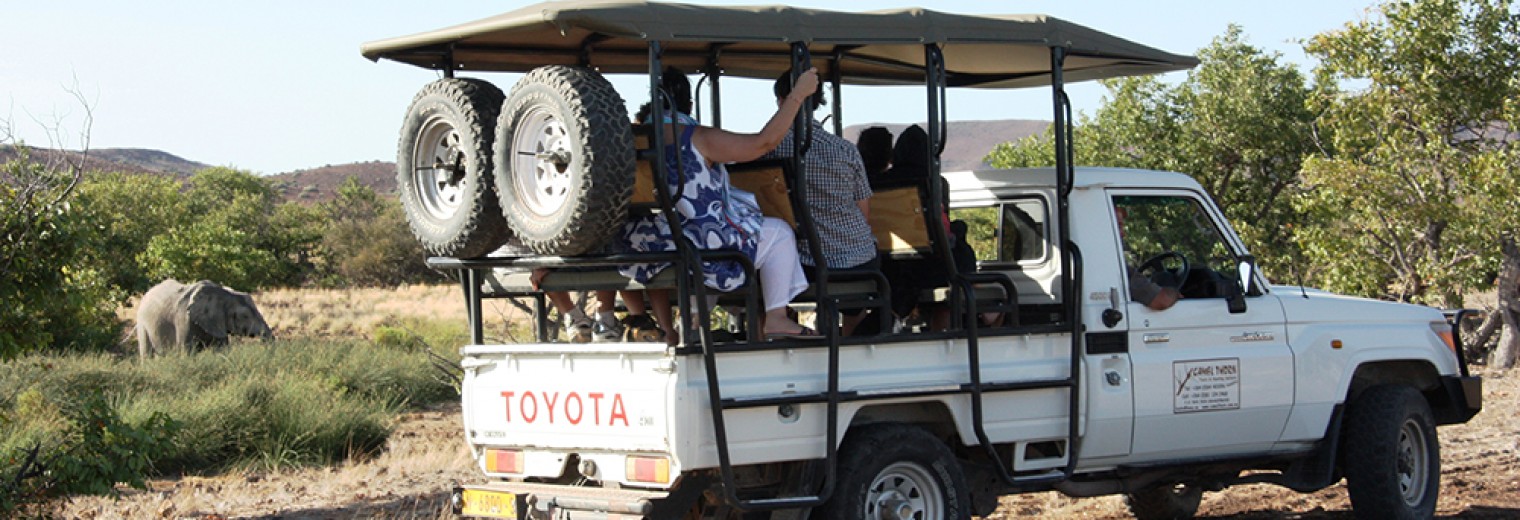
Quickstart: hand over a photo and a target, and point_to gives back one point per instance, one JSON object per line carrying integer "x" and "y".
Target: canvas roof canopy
{"x": 878, "y": 47}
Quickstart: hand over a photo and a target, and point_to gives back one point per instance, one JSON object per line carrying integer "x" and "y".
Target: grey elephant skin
{"x": 177, "y": 316}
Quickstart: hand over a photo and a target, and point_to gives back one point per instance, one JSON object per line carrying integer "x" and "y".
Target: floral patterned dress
{"x": 714, "y": 216}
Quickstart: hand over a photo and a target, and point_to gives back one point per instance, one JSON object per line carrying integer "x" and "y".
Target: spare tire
{"x": 564, "y": 160}
{"x": 443, "y": 168}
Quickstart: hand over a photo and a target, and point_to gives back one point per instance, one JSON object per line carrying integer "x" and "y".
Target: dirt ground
{"x": 426, "y": 457}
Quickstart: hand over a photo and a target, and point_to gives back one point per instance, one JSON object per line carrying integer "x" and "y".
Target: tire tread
{"x": 480, "y": 229}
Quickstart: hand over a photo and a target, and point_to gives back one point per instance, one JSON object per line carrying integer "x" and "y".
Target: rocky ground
{"x": 426, "y": 457}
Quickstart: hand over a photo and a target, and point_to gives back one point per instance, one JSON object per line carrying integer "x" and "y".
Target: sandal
{"x": 805, "y": 333}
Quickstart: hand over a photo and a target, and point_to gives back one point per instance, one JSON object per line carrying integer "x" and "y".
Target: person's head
{"x": 642, "y": 116}
{"x": 912, "y": 149}
{"x": 783, "y": 88}
{"x": 678, "y": 87}
{"x": 875, "y": 145}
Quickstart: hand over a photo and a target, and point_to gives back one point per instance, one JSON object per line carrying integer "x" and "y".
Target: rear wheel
{"x": 443, "y": 168}
{"x": 1391, "y": 457}
{"x": 897, "y": 472}
{"x": 1168, "y": 502}
{"x": 564, "y": 160}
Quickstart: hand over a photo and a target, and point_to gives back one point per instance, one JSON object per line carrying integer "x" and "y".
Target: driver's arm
{"x": 1154, "y": 296}
{"x": 1164, "y": 299}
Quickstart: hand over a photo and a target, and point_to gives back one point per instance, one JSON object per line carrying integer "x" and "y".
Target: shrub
{"x": 70, "y": 441}
{"x": 96, "y": 420}
{"x": 53, "y": 298}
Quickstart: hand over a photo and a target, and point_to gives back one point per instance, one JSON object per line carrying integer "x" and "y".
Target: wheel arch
{"x": 933, "y": 416}
{"x": 1419, "y": 374}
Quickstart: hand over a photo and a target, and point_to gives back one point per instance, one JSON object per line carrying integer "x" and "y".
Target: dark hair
{"x": 783, "y": 88}
{"x": 678, "y": 87}
{"x": 911, "y": 153}
{"x": 875, "y": 145}
{"x": 642, "y": 116}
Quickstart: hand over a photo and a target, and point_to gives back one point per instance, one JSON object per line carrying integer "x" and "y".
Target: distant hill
{"x": 321, "y": 184}
{"x": 150, "y": 160}
{"x": 967, "y": 142}
{"x": 130, "y": 160}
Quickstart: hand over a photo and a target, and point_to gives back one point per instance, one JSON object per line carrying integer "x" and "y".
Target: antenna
{"x": 1298, "y": 270}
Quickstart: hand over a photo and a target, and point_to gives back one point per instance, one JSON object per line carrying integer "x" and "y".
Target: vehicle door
{"x": 1011, "y": 236}
{"x": 1208, "y": 379}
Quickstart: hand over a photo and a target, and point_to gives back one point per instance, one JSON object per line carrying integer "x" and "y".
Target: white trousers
{"x": 777, "y": 263}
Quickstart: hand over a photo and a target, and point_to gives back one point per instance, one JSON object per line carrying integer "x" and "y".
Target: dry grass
{"x": 356, "y": 313}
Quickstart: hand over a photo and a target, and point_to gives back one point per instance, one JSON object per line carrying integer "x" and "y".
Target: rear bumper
{"x": 1463, "y": 396}
{"x": 545, "y": 501}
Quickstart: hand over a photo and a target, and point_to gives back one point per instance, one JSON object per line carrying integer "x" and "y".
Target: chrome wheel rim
{"x": 904, "y": 491}
{"x": 438, "y": 172}
{"x": 541, "y": 172}
{"x": 1413, "y": 463}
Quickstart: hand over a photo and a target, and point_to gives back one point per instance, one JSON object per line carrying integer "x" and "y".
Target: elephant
{"x": 175, "y": 315}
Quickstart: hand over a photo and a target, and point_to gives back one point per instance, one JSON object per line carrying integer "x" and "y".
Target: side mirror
{"x": 1246, "y": 270}
{"x": 1111, "y": 315}
{"x": 1235, "y": 298}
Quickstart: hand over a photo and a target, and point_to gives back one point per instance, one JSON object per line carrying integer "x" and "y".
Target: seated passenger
{"x": 910, "y": 277}
{"x": 875, "y": 145}
{"x": 838, "y": 198}
{"x": 717, "y": 216}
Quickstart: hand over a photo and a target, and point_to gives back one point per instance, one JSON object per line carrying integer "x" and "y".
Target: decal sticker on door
{"x": 1206, "y": 385}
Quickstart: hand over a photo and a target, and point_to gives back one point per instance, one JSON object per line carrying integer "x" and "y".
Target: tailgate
{"x": 551, "y": 400}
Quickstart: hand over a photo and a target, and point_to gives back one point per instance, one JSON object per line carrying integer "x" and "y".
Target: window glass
{"x": 1011, "y": 232}
{"x": 1153, "y": 225}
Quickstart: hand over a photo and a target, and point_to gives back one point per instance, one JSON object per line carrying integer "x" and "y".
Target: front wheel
{"x": 1391, "y": 457}
{"x": 897, "y": 472}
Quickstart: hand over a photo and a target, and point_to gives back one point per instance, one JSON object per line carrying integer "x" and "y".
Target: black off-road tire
{"x": 564, "y": 160}
{"x": 897, "y": 466}
{"x": 443, "y": 168}
{"x": 1390, "y": 455}
{"x": 1168, "y": 502}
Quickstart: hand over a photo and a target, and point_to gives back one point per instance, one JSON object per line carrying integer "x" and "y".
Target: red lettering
{"x": 574, "y": 419}
{"x": 596, "y": 406}
{"x": 528, "y": 398}
{"x": 617, "y": 410}
{"x": 573, "y": 409}
{"x": 549, "y": 400}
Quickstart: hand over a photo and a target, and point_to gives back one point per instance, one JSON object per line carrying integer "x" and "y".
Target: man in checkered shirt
{"x": 838, "y": 196}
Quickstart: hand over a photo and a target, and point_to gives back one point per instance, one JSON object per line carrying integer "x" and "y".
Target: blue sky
{"x": 279, "y": 85}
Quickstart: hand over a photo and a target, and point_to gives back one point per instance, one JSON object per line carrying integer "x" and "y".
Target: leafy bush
{"x": 71, "y": 441}
{"x": 101, "y": 420}
{"x": 367, "y": 242}
{"x": 127, "y": 211}
{"x": 52, "y": 298}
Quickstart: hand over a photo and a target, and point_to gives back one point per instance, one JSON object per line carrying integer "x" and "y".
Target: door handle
{"x": 1156, "y": 337}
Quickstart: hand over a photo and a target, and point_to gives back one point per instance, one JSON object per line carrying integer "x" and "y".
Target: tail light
{"x": 504, "y": 461}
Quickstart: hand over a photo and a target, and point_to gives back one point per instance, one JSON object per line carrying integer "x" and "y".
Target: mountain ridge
{"x": 967, "y": 144}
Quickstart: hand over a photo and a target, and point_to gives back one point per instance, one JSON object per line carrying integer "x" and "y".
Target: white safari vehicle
{"x": 1047, "y": 376}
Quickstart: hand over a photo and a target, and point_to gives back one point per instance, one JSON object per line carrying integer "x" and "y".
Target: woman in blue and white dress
{"x": 715, "y": 215}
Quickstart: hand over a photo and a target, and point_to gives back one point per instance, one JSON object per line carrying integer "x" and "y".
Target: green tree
{"x": 127, "y": 211}
{"x": 232, "y": 233}
{"x": 366, "y": 242}
{"x": 1412, "y": 104}
{"x": 52, "y": 298}
{"x": 1238, "y": 124}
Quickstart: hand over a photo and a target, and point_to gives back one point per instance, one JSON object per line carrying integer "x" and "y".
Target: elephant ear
{"x": 207, "y": 308}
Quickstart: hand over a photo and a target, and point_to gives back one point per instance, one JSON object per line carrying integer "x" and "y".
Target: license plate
{"x": 497, "y": 504}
